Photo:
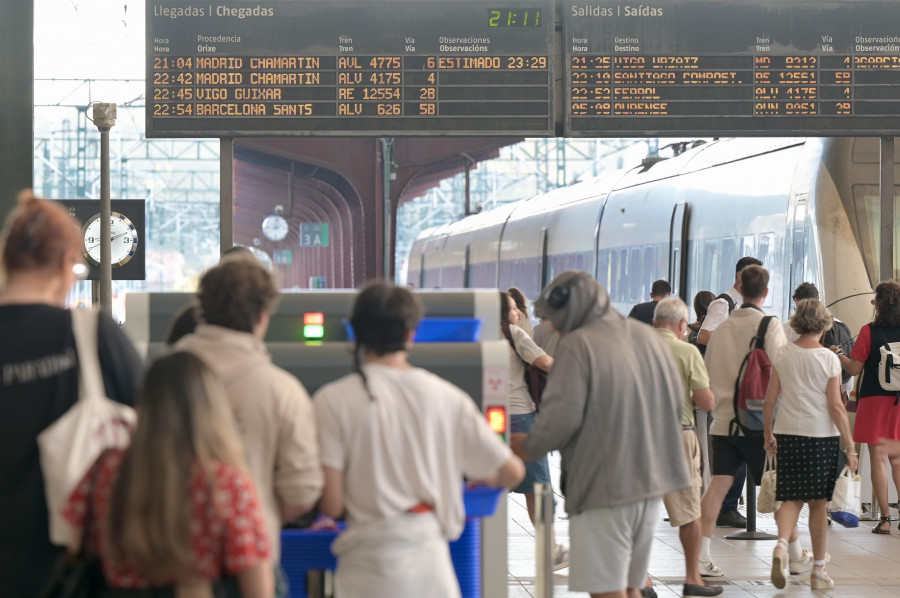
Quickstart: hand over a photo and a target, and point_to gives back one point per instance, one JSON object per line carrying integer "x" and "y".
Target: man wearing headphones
{"x": 612, "y": 406}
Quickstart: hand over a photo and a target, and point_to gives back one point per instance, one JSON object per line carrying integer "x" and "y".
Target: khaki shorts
{"x": 609, "y": 548}
{"x": 683, "y": 506}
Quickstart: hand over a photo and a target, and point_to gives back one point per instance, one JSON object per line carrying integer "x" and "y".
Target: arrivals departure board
{"x": 732, "y": 67}
{"x": 336, "y": 67}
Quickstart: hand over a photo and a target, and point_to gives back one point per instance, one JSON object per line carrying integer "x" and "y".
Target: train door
{"x": 678, "y": 250}
{"x": 798, "y": 245}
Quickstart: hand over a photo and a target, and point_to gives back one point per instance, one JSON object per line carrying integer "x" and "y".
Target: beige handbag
{"x": 765, "y": 502}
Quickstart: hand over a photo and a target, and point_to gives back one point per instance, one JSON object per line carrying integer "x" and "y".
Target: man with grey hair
{"x": 670, "y": 320}
{"x": 612, "y": 406}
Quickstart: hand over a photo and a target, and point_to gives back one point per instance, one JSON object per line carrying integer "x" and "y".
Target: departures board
{"x": 338, "y": 67}
{"x": 732, "y": 67}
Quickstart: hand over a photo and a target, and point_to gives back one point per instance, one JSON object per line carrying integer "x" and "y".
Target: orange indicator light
{"x": 496, "y": 417}
{"x": 313, "y": 319}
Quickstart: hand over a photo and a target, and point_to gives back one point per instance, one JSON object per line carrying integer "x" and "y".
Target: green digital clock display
{"x": 514, "y": 17}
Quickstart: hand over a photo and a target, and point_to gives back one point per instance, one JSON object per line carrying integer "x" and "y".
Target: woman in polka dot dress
{"x": 176, "y": 510}
{"x": 806, "y": 436}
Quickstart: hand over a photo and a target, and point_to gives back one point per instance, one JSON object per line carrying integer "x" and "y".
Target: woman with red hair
{"x": 42, "y": 257}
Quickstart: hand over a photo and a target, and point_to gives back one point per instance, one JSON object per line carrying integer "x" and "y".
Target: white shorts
{"x": 610, "y": 548}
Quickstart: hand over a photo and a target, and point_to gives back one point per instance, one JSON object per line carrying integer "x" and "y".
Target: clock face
{"x": 275, "y": 227}
{"x": 123, "y": 244}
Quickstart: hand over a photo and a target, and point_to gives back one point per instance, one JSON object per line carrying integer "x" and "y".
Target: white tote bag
{"x": 765, "y": 502}
{"x": 71, "y": 444}
{"x": 846, "y": 504}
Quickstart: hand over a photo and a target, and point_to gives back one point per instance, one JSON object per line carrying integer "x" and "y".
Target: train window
{"x": 748, "y": 245}
{"x": 766, "y": 253}
{"x": 726, "y": 259}
{"x": 581, "y": 261}
{"x": 603, "y": 268}
{"x": 483, "y": 276}
{"x": 635, "y": 276}
{"x": 710, "y": 267}
{"x": 622, "y": 276}
{"x": 651, "y": 271}
{"x": 613, "y": 283}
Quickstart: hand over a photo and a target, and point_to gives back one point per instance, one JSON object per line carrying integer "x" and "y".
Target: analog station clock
{"x": 124, "y": 240}
{"x": 275, "y": 227}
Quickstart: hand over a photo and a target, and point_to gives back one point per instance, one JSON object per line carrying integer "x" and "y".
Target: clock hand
{"x": 111, "y": 239}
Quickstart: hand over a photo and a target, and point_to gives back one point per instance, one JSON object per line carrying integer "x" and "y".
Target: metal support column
{"x": 104, "y": 120}
{"x": 886, "y": 271}
{"x": 751, "y": 533}
{"x": 387, "y": 172}
{"x": 226, "y": 194}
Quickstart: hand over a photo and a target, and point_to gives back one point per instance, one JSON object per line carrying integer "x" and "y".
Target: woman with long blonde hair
{"x": 177, "y": 509}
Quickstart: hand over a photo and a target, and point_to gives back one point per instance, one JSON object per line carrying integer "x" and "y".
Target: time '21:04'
{"x": 514, "y": 17}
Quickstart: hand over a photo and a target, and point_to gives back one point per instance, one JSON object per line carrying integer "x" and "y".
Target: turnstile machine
{"x": 308, "y": 336}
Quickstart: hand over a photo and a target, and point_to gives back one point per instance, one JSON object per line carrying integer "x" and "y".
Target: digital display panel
{"x": 336, "y": 67}
{"x": 700, "y": 67}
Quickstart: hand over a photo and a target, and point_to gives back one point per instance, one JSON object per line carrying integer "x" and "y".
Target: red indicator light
{"x": 313, "y": 319}
{"x": 496, "y": 417}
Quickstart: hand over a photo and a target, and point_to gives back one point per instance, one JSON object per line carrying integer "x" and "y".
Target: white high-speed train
{"x": 808, "y": 208}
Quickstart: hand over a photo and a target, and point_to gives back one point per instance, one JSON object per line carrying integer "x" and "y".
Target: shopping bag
{"x": 846, "y": 505}
{"x": 765, "y": 501}
{"x": 71, "y": 444}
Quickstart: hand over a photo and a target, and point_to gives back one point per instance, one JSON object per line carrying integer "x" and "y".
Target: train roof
{"x": 495, "y": 216}
{"x": 710, "y": 154}
{"x": 714, "y": 153}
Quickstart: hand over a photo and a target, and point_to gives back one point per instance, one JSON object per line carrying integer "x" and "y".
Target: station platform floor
{"x": 863, "y": 565}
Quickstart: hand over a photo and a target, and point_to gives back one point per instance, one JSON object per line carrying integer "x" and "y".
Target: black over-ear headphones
{"x": 559, "y": 295}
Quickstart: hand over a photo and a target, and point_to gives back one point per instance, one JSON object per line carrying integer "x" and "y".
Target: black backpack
{"x": 840, "y": 335}
{"x": 728, "y": 300}
{"x": 693, "y": 336}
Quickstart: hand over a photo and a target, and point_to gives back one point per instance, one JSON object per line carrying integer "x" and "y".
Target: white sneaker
{"x": 805, "y": 564}
{"x": 560, "y": 557}
{"x": 709, "y": 569}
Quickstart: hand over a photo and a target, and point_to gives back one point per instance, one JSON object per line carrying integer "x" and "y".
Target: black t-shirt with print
{"x": 39, "y": 383}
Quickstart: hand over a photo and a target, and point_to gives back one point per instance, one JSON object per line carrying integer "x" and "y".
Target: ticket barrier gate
{"x": 149, "y": 315}
{"x": 308, "y": 337}
{"x": 306, "y": 554}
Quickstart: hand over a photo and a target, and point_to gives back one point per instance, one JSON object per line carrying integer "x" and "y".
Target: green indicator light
{"x": 313, "y": 331}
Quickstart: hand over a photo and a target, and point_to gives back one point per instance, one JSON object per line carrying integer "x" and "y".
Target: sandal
{"x": 880, "y": 529}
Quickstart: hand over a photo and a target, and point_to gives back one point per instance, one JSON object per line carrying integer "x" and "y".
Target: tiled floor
{"x": 863, "y": 565}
